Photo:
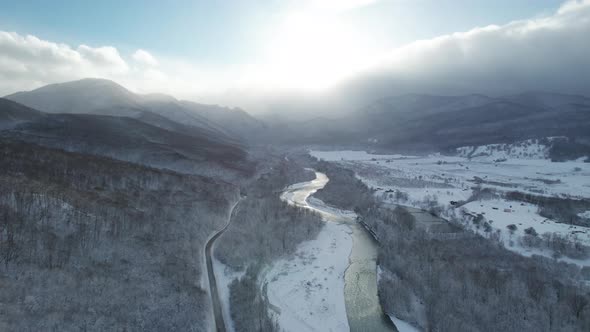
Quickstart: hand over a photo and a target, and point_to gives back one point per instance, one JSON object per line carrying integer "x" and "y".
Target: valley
{"x": 344, "y": 256}
{"x": 491, "y": 186}
{"x": 184, "y": 212}
{"x": 295, "y": 166}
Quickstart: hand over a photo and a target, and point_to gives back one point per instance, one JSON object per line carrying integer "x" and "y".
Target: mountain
{"x": 13, "y": 113}
{"x": 83, "y": 96}
{"x": 410, "y": 103}
{"x": 444, "y": 122}
{"x": 72, "y": 220}
{"x": 104, "y": 97}
{"x": 428, "y": 122}
{"x": 550, "y": 100}
{"x": 234, "y": 120}
{"x": 127, "y": 139}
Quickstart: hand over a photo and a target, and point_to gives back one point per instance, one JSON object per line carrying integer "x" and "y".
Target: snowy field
{"x": 412, "y": 180}
{"x": 403, "y": 326}
{"x": 306, "y": 291}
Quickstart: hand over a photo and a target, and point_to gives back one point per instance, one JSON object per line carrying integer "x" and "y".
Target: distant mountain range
{"x": 425, "y": 122}
{"x": 104, "y": 97}
{"x": 99, "y": 115}
{"x": 198, "y": 152}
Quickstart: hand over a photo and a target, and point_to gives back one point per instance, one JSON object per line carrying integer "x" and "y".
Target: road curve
{"x": 217, "y": 311}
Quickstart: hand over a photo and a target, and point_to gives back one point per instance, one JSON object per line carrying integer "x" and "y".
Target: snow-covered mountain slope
{"x": 427, "y": 123}
{"x": 104, "y": 97}
{"x": 527, "y": 149}
{"x": 11, "y": 114}
{"x": 126, "y": 139}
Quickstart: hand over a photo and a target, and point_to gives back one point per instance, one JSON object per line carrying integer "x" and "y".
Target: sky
{"x": 208, "y": 50}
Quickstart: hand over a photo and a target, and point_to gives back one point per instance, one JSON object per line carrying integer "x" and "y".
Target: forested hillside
{"x": 91, "y": 243}
{"x": 172, "y": 146}
{"x": 105, "y": 97}
{"x": 263, "y": 229}
{"x": 421, "y": 122}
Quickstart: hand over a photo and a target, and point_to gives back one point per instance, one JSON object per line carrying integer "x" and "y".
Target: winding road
{"x": 363, "y": 310}
{"x": 215, "y": 302}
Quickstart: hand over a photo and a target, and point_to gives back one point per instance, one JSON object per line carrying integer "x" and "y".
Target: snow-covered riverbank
{"x": 308, "y": 288}
{"x": 329, "y": 284}
{"x": 445, "y": 180}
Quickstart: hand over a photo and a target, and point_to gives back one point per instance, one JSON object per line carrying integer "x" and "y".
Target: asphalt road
{"x": 217, "y": 311}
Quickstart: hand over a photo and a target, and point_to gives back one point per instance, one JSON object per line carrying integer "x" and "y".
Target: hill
{"x": 127, "y": 139}
{"x": 88, "y": 242}
{"x": 420, "y": 122}
{"x": 105, "y": 97}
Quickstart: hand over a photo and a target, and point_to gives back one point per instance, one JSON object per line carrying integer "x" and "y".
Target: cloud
{"x": 27, "y": 62}
{"x": 547, "y": 53}
{"x": 542, "y": 53}
{"x": 32, "y": 49}
{"x": 145, "y": 58}
{"x": 573, "y": 5}
{"x": 103, "y": 57}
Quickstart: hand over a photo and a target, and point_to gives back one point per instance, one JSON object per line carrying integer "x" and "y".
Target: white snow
{"x": 319, "y": 205}
{"x": 350, "y": 155}
{"x": 451, "y": 178}
{"x": 308, "y": 289}
{"x": 402, "y": 326}
{"x": 585, "y": 215}
{"x": 536, "y": 176}
{"x": 529, "y": 149}
{"x": 525, "y": 215}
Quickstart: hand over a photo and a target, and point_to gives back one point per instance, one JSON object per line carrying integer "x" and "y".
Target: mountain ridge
{"x": 127, "y": 139}
{"x": 101, "y": 96}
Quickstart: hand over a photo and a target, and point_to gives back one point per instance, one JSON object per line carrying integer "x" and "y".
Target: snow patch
{"x": 402, "y": 326}
{"x": 306, "y": 292}
{"x": 528, "y": 149}
{"x": 350, "y": 155}
{"x": 448, "y": 180}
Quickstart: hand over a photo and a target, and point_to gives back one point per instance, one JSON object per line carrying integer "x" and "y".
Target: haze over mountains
{"x": 295, "y": 165}
{"x": 430, "y": 123}
{"x": 106, "y": 111}
{"x": 104, "y": 97}
{"x": 101, "y": 117}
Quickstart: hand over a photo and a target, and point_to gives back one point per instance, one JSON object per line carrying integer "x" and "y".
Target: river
{"x": 363, "y": 310}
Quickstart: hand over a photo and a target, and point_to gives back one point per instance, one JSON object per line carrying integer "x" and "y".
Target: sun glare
{"x": 313, "y": 51}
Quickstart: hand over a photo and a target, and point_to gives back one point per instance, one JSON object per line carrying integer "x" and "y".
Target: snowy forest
{"x": 85, "y": 237}
{"x": 263, "y": 229}
{"x": 463, "y": 282}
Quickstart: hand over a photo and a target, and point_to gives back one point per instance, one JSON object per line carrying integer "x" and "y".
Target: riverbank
{"x": 308, "y": 288}
{"x": 265, "y": 229}
{"x": 330, "y": 284}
